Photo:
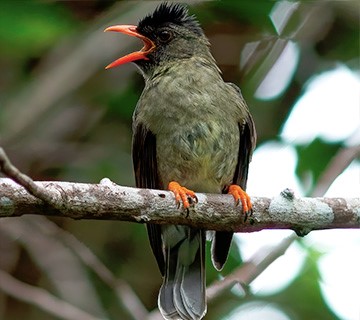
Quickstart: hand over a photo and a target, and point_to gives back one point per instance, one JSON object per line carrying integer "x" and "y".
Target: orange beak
{"x": 131, "y": 30}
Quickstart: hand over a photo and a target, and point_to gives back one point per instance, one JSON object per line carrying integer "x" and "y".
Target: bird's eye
{"x": 165, "y": 36}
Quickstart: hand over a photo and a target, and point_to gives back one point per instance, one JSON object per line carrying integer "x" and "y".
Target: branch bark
{"x": 108, "y": 201}
{"x": 213, "y": 212}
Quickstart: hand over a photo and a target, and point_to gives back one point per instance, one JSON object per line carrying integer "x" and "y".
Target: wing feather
{"x": 247, "y": 141}
{"x": 147, "y": 176}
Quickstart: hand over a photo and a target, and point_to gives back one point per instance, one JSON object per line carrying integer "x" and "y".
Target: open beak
{"x": 130, "y": 30}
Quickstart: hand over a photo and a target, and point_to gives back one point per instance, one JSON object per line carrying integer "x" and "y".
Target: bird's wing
{"x": 222, "y": 240}
{"x": 246, "y": 145}
{"x": 146, "y": 176}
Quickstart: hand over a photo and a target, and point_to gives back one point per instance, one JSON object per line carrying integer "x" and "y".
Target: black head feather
{"x": 167, "y": 13}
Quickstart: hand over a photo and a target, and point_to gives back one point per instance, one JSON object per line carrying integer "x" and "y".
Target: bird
{"x": 192, "y": 132}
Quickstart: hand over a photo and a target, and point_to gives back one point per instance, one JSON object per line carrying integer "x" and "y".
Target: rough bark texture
{"x": 108, "y": 201}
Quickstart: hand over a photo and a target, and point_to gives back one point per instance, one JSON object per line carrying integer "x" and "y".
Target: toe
{"x": 182, "y": 194}
{"x": 241, "y": 196}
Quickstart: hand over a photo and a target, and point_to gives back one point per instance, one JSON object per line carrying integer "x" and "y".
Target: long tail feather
{"x": 183, "y": 292}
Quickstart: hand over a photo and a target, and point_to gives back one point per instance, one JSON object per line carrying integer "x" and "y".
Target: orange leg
{"x": 182, "y": 193}
{"x": 240, "y": 195}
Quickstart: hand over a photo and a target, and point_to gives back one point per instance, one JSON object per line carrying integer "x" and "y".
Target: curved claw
{"x": 240, "y": 195}
{"x": 182, "y": 194}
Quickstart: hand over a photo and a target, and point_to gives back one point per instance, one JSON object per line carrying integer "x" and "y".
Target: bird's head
{"x": 169, "y": 34}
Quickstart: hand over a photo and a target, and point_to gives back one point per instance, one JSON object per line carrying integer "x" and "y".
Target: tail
{"x": 183, "y": 292}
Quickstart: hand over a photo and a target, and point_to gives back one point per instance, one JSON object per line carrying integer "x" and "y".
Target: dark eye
{"x": 165, "y": 36}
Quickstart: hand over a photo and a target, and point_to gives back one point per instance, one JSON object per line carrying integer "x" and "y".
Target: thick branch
{"x": 108, "y": 201}
{"x": 22, "y": 179}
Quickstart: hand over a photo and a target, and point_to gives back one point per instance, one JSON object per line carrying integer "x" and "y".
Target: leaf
{"x": 313, "y": 159}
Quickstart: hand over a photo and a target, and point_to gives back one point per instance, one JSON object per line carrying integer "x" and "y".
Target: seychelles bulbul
{"x": 192, "y": 132}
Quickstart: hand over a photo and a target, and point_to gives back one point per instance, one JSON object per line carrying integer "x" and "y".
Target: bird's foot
{"x": 182, "y": 194}
{"x": 241, "y": 196}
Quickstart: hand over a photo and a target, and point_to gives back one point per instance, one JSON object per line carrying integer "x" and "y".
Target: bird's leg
{"x": 182, "y": 194}
{"x": 240, "y": 195}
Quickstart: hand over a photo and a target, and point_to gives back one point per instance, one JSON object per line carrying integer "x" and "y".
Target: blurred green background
{"x": 63, "y": 117}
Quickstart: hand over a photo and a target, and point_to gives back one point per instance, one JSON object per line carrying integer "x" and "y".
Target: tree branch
{"x": 336, "y": 166}
{"x": 42, "y": 299}
{"x": 251, "y": 269}
{"x": 108, "y": 201}
{"x": 123, "y": 291}
{"x": 215, "y": 212}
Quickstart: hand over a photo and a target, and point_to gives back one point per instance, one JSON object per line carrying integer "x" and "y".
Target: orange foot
{"x": 183, "y": 194}
{"x": 240, "y": 195}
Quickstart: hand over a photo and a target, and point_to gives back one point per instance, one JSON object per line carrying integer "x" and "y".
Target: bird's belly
{"x": 202, "y": 157}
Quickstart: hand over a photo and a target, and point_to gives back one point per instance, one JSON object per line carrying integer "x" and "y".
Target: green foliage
{"x": 313, "y": 159}
{"x": 301, "y": 296}
{"x": 120, "y": 104}
{"x": 253, "y": 12}
{"x": 27, "y": 28}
